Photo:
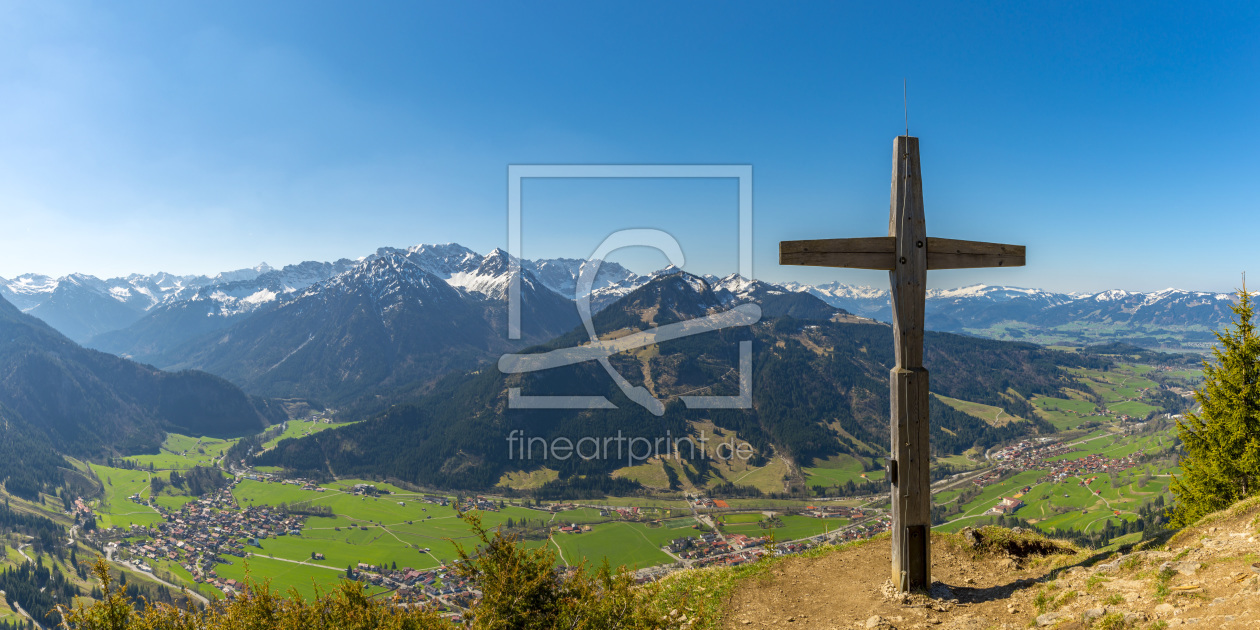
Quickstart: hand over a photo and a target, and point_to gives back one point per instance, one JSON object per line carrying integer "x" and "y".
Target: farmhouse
{"x": 1007, "y": 505}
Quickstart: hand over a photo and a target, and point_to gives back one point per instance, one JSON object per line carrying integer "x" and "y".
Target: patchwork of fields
{"x": 402, "y": 529}
{"x": 1083, "y": 503}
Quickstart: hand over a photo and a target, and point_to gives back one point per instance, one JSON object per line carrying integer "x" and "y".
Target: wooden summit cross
{"x": 907, "y": 253}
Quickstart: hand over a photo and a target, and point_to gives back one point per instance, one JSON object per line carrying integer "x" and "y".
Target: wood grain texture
{"x": 909, "y": 278}
{"x": 849, "y": 260}
{"x": 948, "y": 253}
{"x": 907, "y": 253}
{"x": 854, "y": 253}
{"x": 911, "y": 497}
{"x": 872, "y": 245}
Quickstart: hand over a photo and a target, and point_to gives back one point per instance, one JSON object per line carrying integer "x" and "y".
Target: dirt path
{"x": 19, "y": 610}
{"x": 309, "y": 564}
{"x": 846, "y": 588}
{"x": 109, "y": 556}
{"x": 559, "y": 551}
{"x": 191, "y": 593}
{"x": 1204, "y": 578}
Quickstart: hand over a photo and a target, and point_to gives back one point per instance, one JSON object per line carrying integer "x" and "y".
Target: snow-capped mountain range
{"x": 89, "y": 309}
{"x": 979, "y": 306}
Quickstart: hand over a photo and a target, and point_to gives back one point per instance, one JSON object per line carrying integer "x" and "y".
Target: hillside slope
{"x": 381, "y": 331}
{"x": 1205, "y": 577}
{"x": 819, "y": 389}
{"x": 58, "y": 396}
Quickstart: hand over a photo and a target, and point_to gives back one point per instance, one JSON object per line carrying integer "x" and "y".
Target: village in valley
{"x": 1101, "y": 468}
{"x": 191, "y": 518}
{"x": 207, "y": 542}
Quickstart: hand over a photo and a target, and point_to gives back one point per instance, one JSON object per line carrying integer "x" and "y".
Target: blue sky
{"x": 1117, "y": 140}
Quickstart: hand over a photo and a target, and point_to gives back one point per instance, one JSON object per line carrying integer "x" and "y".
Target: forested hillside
{"x": 57, "y": 397}
{"x": 819, "y": 388}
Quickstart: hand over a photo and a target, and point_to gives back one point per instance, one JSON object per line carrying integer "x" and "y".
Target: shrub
{"x": 521, "y": 590}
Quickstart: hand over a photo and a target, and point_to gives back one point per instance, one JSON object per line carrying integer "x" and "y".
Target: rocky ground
{"x": 1208, "y": 576}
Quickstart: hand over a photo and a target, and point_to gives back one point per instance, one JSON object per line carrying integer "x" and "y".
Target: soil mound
{"x": 1205, "y": 577}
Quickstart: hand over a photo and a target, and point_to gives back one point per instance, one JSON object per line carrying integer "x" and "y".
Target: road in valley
{"x": 109, "y": 555}
{"x": 15, "y": 604}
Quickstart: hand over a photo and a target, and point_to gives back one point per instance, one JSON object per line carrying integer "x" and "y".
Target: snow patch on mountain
{"x": 239, "y": 275}
{"x": 1109, "y": 296}
{"x": 746, "y": 289}
{"x": 562, "y": 274}
{"x": 243, "y": 291}
{"x": 387, "y": 278}
{"x": 444, "y": 260}
{"x": 31, "y": 283}
{"x": 491, "y": 278}
{"x": 835, "y": 290}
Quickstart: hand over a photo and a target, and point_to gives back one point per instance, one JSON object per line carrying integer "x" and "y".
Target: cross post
{"x": 907, "y": 254}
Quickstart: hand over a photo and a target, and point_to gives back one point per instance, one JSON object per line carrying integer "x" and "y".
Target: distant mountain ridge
{"x": 455, "y": 436}
{"x": 982, "y": 305}
{"x": 141, "y": 315}
{"x": 57, "y": 397}
{"x": 383, "y": 329}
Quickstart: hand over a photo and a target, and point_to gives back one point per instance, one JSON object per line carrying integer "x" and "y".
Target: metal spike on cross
{"x": 907, "y": 254}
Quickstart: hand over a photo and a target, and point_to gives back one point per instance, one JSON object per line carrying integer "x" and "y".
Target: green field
{"x": 398, "y": 533}
{"x": 987, "y": 498}
{"x": 1077, "y": 334}
{"x": 792, "y": 528}
{"x": 8, "y": 615}
{"x": 644, "y": 502}
{"x": 397, "y": 528}
{"x": 285, "y": 575}
{"x": 1116, "y": 385}
{"x": 1114, "y": 445}
{"x": 768, "y": 478}
{"x": 582, "y": 516}
{"x": 839, "y": 470}
{"x": 520, "y": 480}
{"x": 1064, "y": 413}
{"x": 1133, "y": 408}
{"x": 1123, "y": 390}
{"x": 294, "y": 429}
{"x": 995, "y": 416}
{"x": 650, "y": 474}
{"x": 961, "y": 461}
{"x": 395, "y": 533}
{"x": 390, "y": 538}
{"x": 114, "y": 508}
{"x": 782, "y": 504}
{"x": 1070, "y": 505}
{"x": 181, "y": 452}
{"x": 623, "y": 544}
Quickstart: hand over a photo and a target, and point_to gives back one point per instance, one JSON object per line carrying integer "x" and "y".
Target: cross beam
{"x": 879, "y": 252}
{"x": 907, "y": 254}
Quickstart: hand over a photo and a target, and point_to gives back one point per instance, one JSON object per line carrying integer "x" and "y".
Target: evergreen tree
{"x": 1221, "y": 464}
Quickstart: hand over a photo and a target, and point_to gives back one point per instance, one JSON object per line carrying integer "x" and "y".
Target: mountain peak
{"x": 492, "y": 277}
{"x": 386, "y": 278}
{"x": 670, "y": 297}
{"x": 561, "y": 275}
{"x": 496, "y": 262}
{"x": 444, "y": 259}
